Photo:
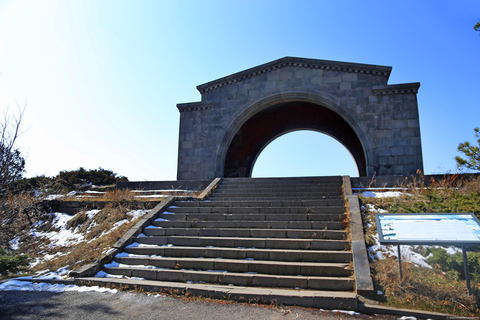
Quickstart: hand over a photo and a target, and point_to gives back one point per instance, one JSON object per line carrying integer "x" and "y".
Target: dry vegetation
{"x": 99, "y": 232}
{"x": 438, "y": 289}
{"x": 98, "y": 239}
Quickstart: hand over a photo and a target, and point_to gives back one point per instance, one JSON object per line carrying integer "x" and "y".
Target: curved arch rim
{"x": 253, "y": 107}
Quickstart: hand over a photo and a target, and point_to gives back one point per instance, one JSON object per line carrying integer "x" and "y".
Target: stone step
{"x": 308, "y": 185}
{"x": 304, "y": 298}
{"x": 277, "y": 195}
{"x": 237, "y": 242}
{"x": 328, "y": 255}
{"x": 241, "y": 266}
{"x": 281, "y": 190}
{"x": 287, "y": 181}
{"x": 264, "y": 210}
{"x": 323, "y": 201}
{"x": 257, "y": 203}
{"x": 246, "y": 233}
{"x": 271, "y": 196}
{"x": 315, "y": 225}
{"x": 238, "y": 279}
{"x": 254, "y": 216}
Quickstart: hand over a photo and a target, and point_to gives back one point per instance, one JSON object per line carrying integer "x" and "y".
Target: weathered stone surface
{"x": 238, "y": 115}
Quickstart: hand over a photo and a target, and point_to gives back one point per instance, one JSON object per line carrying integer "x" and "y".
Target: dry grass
{"x": 85, "y": 252}
{"x": 119, "y": 195}
{"x": 99, "y": 234}
{"x": 422, "y": 289}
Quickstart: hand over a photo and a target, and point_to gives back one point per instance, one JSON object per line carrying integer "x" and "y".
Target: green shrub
{"x": 452, "y": 264}
{"x": 12, "y": 262}
{"x": 68, "y": 181}
{"x": 72, "y": 179}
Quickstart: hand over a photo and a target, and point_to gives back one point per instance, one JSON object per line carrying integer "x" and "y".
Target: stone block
{"x": 397, "y": 151}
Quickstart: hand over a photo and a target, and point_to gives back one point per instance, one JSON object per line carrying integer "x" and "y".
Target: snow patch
{"x": 42, "y": 286}
{"x": 63, "y": 237}
{"x": 136, "y": 213}
{"x": 92, "y": 213}
{"x": 385, "y": 194}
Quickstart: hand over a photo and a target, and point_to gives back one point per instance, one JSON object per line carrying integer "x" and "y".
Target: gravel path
{"x": 125, "y": 305}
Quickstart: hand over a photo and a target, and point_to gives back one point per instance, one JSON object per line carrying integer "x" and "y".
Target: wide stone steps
{"x": 248, "y": 224}
{"x": 181, "y": 208}
{"x": 264, "y": 243}
{"x": 243, "y": 253}
{"x": 234, "y": 278}
{"x": 243, "y": 266}
{"x": 263, "y": 234}
{"x": 237, "y": 197}
{"x": 246, "y": 233}
{"x": 267, "y": 192}
{"x": 253, "y": 216}
{"x": 264, "y": 203}
{"x": 296, "y": 181}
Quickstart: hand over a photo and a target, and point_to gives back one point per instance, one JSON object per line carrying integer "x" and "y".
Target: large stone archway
{"x": 258, "y": 131}
{"x": 240, "y": 114}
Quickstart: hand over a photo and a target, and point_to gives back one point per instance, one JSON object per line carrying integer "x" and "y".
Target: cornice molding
{"x": 194, "y": 106}
{"x": 396, "y": 88}
{"x": 295, "y": 62}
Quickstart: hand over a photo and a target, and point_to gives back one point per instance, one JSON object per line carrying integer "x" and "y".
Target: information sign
{"x": 458, "y": 229}
{"x": 428, "y": 229}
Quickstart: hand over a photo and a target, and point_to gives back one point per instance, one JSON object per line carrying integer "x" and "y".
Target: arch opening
{"x": 263, "y": 127}
{"x": 303, "y": 153}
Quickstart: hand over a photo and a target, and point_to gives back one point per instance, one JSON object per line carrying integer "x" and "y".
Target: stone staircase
{"x": 281, "y": 240}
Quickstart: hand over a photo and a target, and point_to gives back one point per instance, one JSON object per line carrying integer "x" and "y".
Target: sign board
{"x": 428, "y": 228}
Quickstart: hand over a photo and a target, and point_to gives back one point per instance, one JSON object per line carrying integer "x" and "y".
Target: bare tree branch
{"x": 12, "y": 163}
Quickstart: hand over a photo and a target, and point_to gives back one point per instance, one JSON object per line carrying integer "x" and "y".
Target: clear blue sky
{"x": 102, "y": 78}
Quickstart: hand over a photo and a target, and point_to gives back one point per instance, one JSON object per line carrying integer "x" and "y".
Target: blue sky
{"x": 102, "y": 78}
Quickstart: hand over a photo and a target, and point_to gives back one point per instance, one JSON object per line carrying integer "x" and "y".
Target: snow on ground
{"x": 381, "y": 194}
{"x": 59, "y": 238}
{"x": 43, "y": 286}
{"x": 136, "y": 213}
{"x": 378, "y": 251}
{"x": 63, "y": 237}
{"x": 54, "y": 196}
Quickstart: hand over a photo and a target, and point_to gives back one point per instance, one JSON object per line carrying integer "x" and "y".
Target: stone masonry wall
{"x": 385, "y": 117}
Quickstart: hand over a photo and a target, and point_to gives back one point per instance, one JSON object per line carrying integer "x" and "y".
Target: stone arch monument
{"x": 240, "y": 114}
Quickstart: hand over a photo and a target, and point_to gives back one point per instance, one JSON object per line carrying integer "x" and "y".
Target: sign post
{"x": 441, "y": 229}
{"x": 400, "y": 273}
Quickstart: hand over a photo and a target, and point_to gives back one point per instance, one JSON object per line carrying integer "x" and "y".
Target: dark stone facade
{"x": 222, "y": 135}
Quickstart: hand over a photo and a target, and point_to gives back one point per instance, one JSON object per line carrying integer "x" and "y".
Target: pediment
{"x": 295, "y": 63}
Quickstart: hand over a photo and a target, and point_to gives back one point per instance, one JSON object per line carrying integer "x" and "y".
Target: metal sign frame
{"x": 425, "y": 218}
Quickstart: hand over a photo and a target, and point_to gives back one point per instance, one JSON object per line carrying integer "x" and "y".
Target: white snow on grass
{"x": 92, "y": 213}
{"x": 384, "y": 194}
{"x": 63, "y": 237}
{"x": 15, "y": 243}
{"x": 379, "y": 251}
{"x": 136, "y": 213}
{"x": 54, "y": 196}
